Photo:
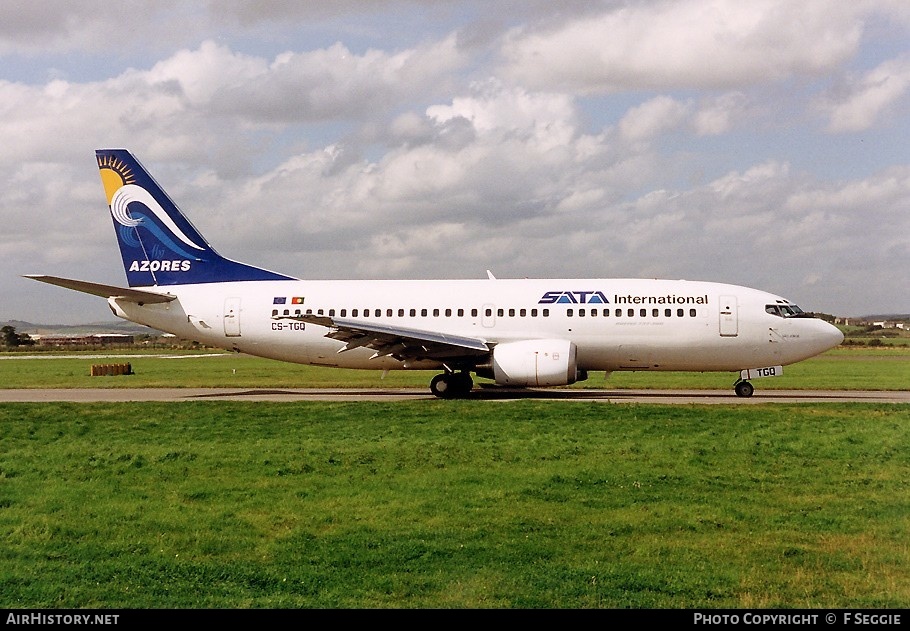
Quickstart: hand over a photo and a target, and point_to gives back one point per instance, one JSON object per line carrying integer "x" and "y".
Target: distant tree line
{"x": 11, "y": 339}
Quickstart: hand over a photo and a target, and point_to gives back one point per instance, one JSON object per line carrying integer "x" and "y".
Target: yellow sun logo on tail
{"x": 114, "y": 175}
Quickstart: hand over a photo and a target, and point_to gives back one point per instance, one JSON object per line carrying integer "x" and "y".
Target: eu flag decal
{"x": 279, "y": 300}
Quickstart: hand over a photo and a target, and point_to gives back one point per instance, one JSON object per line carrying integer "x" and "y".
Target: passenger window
{"x": 511, "y": 313}
{"x": 581, "y": 313}
{"x": 692, "y": 313}
{"x": 546, "y": 313}
{"x": 344, "y": 313}
{"x": 533, "y": 313}
{"x": 523, "y": 313}
{"x": 668, "y": 313}
{"x": 413, "y": 313}
{"x": 401, "y": 313}
{"x": 320, "y": 312}
{"x": 354, "y": 313}
{"x": 461, "y": 313}
{"x": 679, "y": 313}
{"x": 488, "y": 312}
{"x": 435, "y": 313}
{"x": 570, "y": 312}
{"x": 388, "y": 313}
{"x": 274, "y": 312}
{"x": 499, "y": 312}
{"x": 473, "y": 313}
{"x": 423, "y": 313}
{"x": 655, "y": 313}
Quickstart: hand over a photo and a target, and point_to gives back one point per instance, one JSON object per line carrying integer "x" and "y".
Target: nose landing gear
{"x": 743, "y": 388}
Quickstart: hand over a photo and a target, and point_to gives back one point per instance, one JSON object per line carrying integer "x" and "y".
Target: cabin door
{"x": 232, "y": 317}
{"x": 488, "y": 316}
{"x": 729, "y": 318}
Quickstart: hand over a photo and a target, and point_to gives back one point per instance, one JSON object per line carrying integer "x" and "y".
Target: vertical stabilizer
{"x": 158, "y": 244}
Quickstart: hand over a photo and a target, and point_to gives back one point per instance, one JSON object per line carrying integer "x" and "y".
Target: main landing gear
{"x": 452, "y": 385}
{"x": 743, "y": 388}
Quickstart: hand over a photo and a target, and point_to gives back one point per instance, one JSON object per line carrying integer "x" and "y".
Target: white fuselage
{"x": 616, "y": 324}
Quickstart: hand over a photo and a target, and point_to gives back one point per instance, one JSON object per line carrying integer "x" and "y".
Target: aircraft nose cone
{"x": 815, "y": 337}
{"x": 838, "y": 335}
{"x": 831, "y": 336}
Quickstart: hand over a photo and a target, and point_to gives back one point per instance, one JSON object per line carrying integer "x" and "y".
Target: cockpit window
{"x": 784, "y": 311}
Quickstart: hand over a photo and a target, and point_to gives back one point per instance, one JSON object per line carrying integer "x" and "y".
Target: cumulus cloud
{"x": 653, "y": 117}
{"x": 549, "y": 117}
{"x": 862, "y": 102}
{"x": 59, "y": 26}
{"x": 616, "y": 139}
{"x": 719, "y": 114}
{"x": 685, "y": 44}
{"x": 334, "y": 82}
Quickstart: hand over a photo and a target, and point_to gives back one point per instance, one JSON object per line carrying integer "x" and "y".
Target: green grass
{"x": 529, "y": 504}
{"x": 840, "y": 369}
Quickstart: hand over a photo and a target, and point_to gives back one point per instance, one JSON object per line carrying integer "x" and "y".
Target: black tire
{"x": 744, "y": 389}
{"x": 464, "y": 383}
{"x": 442, "y": 386}
{"x": 451, "y": 385}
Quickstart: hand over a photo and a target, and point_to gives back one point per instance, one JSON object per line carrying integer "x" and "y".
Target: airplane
{"x": 522, "y": 333}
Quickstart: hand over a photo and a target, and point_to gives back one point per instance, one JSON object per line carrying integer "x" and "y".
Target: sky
{"x": 761, "y": 143}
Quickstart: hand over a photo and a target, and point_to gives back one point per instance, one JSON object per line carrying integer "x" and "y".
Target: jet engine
{"x": 535, "y": 363}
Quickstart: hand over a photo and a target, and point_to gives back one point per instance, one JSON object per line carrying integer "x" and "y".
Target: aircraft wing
{"x": 399, "y": 342}
{"x": 105, "y": 291}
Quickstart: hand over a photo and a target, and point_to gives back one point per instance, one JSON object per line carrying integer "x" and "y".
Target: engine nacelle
{"x": 535, "y": 363}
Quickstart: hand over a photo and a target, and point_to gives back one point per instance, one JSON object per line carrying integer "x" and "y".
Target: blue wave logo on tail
{"x": 120, "y": 205}
{"x": 158, "y": 244}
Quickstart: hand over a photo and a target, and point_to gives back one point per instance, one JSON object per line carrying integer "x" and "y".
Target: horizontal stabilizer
{"x": 105, "y": 291}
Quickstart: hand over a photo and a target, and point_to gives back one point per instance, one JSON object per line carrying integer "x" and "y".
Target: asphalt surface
{"x": 87, "y": 395}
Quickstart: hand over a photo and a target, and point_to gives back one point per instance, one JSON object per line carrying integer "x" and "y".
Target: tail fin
{"x": 158, "y": 244}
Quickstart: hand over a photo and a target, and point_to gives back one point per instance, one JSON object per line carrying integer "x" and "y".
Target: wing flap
{"x": 399, "y": 342}
{"x": 104, "y": 291}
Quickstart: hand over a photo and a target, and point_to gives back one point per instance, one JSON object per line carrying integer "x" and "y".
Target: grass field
{"x": 528, "y": 504}
{"x": 839, "y": 369}
{"x": 452, "y": 504}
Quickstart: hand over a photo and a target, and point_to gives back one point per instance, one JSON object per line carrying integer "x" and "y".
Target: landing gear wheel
{"x": 441, "y": 386}
{"x": 743, "y": 389}
{"x": 463, "y": 382}
{"x": 451, "y": 385}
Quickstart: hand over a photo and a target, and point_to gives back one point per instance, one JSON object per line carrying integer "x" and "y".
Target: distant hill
{"x": 888, "y": 316}
{"x": 123, "y": 327}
